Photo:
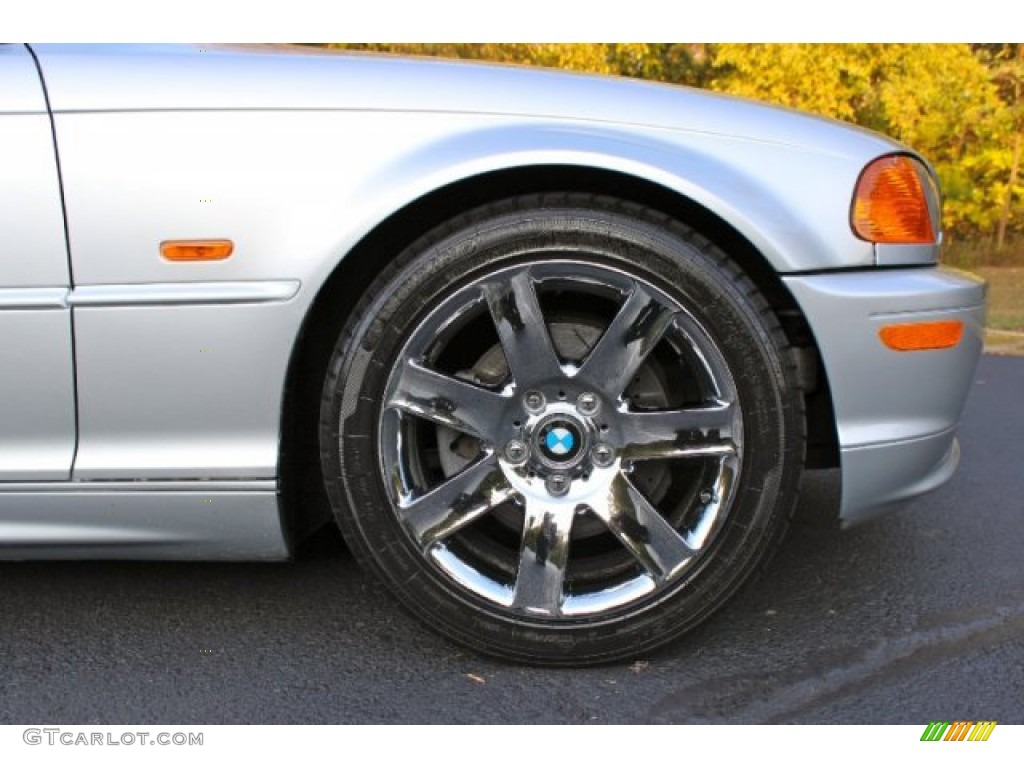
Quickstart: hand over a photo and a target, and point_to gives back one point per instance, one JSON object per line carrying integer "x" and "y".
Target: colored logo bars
{"x": 960, "y": 730}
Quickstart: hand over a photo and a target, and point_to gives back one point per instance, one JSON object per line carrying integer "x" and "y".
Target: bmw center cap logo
{"x": 560, "y": 441}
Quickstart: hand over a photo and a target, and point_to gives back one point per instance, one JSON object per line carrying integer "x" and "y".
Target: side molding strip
{"x": 33, "y": 298}
{"x": 138, "y": 486}
{"x": 251, "y": 292}
{"x": 243, "y": 292}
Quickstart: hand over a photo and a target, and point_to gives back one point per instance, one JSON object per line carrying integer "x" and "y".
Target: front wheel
{"x": 562, "y": 429}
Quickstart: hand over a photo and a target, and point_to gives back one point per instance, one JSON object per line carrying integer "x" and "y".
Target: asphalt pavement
{"x": 918, "y": 616}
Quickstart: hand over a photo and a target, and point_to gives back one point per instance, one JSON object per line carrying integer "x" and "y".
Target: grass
{"x": 1004, "y": 271}
{"x": 1004, "y": 333}
{"x": 981, "y": 252}
{"x": 1004, "y": 343}
{"x": 1005, "y": 297}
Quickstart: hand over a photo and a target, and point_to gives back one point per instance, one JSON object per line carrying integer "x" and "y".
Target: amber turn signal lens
{"x": 891, "y": 205}
{"x": 196, "y": 250}
{"x": 909, "y": 337}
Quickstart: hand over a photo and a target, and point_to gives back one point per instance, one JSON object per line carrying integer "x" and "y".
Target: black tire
{"x": 547, "y": 532}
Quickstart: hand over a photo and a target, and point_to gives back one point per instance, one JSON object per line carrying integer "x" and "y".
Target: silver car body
{"x": 142, "y": 400}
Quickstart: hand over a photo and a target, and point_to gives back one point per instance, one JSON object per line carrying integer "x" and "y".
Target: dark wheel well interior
{"x": 304, "y": 500}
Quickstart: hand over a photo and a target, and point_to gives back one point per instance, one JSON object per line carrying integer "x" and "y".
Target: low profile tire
{"x": 562, "y": 429}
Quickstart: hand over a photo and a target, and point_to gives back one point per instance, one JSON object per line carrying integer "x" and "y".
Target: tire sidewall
{"x": 663, "y": 253}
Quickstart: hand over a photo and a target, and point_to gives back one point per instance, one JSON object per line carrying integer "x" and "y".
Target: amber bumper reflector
{"x": 908, "y": 337}
{"x": 196, "y": 250}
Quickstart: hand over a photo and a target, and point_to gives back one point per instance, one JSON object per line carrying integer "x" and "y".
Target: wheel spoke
{"x": 520, "y": 324}
{"x": 446, "y": 400}
{"x": 455, "y": 503}
{"x": 643, "y": 531}
{"x": 634, "y": 331}
{"x": 656, "y": 487}
{"x": 543, "y": 558}
{"x": 679, "y": 433}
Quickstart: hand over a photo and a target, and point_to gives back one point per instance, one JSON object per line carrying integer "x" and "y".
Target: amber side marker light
{"x": 910, "y": 337}
{"x": 890, "y": 204}
{"x": 196, "y": 250}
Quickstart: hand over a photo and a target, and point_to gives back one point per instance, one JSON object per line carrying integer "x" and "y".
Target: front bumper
{"x": 896, "y": 412}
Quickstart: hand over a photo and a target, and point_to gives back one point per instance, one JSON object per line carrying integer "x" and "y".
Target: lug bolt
{"x": 603, "y": 455}
{"x": 534, "y": 401}
{"x": 516, "y": 451}
{"x": 557, "y": 484}
{"x": 588, "y": 403}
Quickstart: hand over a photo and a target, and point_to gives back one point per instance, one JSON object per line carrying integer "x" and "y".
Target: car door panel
{"x": 37, "y": 398}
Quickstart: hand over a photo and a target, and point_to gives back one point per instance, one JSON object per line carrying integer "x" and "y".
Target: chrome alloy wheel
{"x": 561, "y": 439}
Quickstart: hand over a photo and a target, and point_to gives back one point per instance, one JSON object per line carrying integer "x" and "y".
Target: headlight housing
{"x": 895, "y": 202}
{"x": 896, "y": 205}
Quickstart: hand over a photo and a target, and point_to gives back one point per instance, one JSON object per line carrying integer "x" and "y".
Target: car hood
{"x": 86, "y": 78}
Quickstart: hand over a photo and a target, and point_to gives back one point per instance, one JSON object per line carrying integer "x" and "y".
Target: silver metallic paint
{"x": 295, "y": 196}
{"x": 296, "y": 157}
{"x": 32, "y": 247}
{"x": 889, "y": 255}
{"x": 897, "y": 409}
{"x": 296, "y": 191}
{"x": 325, "y": 195}
{"x": 118, "y": 78}
{"x": 37, "y": 397}
{"x": 184, "y": 391}
{"x": 240, "y": 292}
{"x": 126, "y": 521}
{"x": 33, "y": 298}
{"x": 881, "y": 477}
{"x": 222, "y": 293}
{"x": 22, "y": 93}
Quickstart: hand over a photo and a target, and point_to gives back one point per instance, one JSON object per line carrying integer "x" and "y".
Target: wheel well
{"x": 304, "y": 501}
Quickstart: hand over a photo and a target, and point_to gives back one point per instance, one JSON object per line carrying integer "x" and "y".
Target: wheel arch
{"x": 304, "y": 502}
